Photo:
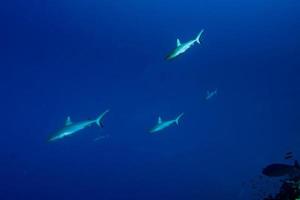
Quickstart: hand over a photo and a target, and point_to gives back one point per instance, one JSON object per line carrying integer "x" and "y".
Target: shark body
{"x": 70, "y": 127}
{"x": 164, "y": 124}
{"x": 183, "y": 47}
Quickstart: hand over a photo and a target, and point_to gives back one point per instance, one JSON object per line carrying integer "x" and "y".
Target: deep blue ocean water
{"x": 78, "y": 58}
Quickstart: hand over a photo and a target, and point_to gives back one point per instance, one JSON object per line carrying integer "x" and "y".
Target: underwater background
{"x": 78, "y": 58}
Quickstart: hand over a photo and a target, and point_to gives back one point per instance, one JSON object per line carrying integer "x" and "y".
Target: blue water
{"x": 79, "y": 58}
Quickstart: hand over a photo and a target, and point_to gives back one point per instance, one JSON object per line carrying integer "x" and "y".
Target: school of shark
{"x": 70, "y": 128}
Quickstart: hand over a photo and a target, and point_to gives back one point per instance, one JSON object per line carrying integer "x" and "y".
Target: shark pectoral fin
{"x": 178, "y": 43}
{"x": 68, "y": 121}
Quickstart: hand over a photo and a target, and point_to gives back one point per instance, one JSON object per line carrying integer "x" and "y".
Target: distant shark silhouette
{"x": 210, "y": 95}
{"x": 70, "y": 128}
{"x": 164, "y": 124}
{"x": 183, "y": 47}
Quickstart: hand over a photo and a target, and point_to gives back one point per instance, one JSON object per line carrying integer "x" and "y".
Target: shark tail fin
{"x": 99, "y": 119}
{"x": 198, "y": 36}
{"x": 178, "y": 118}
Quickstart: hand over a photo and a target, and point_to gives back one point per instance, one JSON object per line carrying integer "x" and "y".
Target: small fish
{"x": 70, "y": 128}
{"x": 164, "y": 124}
{"x": 288, "y": 157}
{"x": 101, "y": 137}
{"x": 277, "y": 170}
{"x": 183, "y": 47}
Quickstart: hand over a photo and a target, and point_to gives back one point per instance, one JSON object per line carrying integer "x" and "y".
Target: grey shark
{"x": 73, "y": 127}
{"x": 164, "y": 124}
{"x": 183, "y": 47}
{"x": 210, "y": 95}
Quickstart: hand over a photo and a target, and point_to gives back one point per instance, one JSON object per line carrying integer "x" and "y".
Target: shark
{"x": 183, "y": 47}
{"x": 73, "y": 127}
{"x": 164, "y": 124}
{"x": 210, "y": 95}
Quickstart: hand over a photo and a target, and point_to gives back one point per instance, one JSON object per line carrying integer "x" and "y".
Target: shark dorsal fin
{"x": 178, "y": 42}
{"x": 159, "y": 121}
{"x": 68, "y": 121}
